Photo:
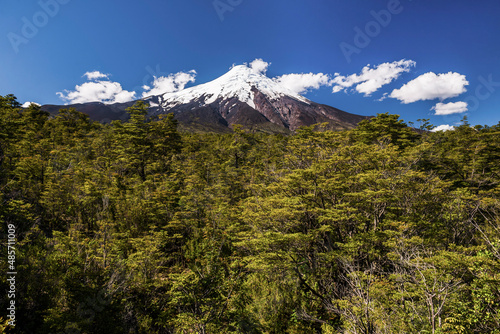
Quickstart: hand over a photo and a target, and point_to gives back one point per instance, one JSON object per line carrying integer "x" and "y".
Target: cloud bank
{"x": 301, "y": 83}
{"x": 260, "y": 66}
{"x": 95, "y": 75}
{"x": 372, "y": 79}
{"x": 97, "y": 91}
{"x": 428, "y": 86}
{"x": 450, "y": 108}
{"x": 431, "y": 86}
{"x": 169, "y": 84}
{"x": 444, "y": 127}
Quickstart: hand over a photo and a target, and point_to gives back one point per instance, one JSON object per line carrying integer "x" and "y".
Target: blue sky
{"x": 420, "y": 57}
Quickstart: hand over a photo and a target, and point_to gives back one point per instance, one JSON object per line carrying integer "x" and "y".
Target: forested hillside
{"x": 137, "y": 228}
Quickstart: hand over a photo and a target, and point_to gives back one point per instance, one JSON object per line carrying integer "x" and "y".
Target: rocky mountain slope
{"x": 241, "y": 96}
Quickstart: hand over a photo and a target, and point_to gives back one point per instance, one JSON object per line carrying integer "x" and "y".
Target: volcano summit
{"x": 241, "y": 96}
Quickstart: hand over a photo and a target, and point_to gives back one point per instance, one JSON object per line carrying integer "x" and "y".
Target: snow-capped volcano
{"x": 238, "y": 83}
{"x": 243, "y": 95}
{"x": 246, "y": 96}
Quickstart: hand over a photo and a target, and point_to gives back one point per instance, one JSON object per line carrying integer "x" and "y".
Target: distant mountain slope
{"x": 241, "y": 96}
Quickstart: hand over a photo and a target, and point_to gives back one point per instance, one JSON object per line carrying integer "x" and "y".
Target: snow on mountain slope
{"x": 242, "y": 96}
{"x": 237, "y": 83}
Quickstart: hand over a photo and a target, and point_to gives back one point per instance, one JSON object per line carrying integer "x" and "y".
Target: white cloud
{"x": 372, "y": 79}
{"x": 101, "y": 91}
{"x": 259, "y": 66}
{"x": 301, "y": 83}
{"x": 27, "y": 104}
{"x": 431, "y": 86}
{"x": 95, "y": 75}
{"x": 171, "y": 83}
{"x": 444, "y": 127}
{"x": 450, "y": 108}
{"x": 385, "y": 96}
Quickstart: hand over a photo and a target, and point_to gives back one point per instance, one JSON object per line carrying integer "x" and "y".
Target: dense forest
{"x": 137, "y": 227}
